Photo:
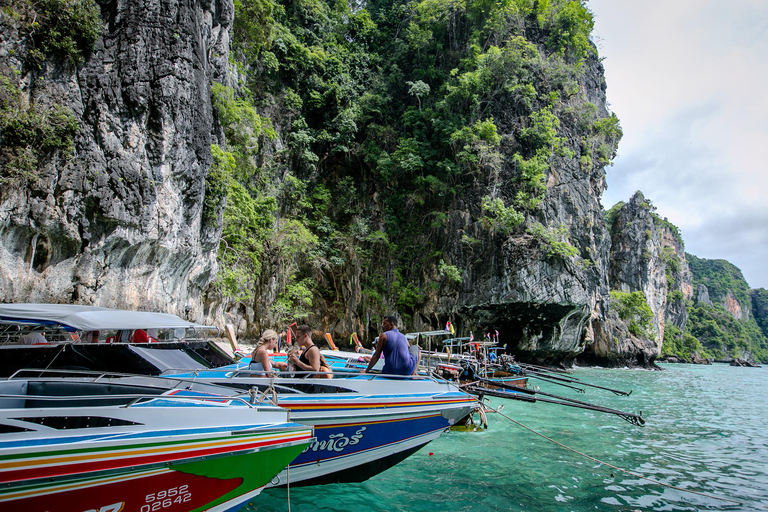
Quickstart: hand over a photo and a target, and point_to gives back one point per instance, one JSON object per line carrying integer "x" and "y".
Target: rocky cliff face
{"x": 637, "y": 259}
{"x": 647, "y": 256}
{"x": 634, "y": 266}
{"x": 544, "y": 305}
{"x": 727, "y": 318}
{"x": 118, "y": 223}
{"x": 679, "y": 277}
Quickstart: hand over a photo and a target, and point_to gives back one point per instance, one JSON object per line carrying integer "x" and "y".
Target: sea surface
{"x": 705, "y": 431}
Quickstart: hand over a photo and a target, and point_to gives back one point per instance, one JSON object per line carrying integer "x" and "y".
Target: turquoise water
{"x": 705, "y": 431}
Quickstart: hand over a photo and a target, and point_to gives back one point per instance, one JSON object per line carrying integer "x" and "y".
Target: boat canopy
{"x": 74, "y": 317}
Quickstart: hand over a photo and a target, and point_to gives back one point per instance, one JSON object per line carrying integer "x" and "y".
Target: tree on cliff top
{"x": 392, "y": 111}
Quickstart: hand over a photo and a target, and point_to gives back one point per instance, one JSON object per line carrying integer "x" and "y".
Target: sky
{"x": 688, "y": 80}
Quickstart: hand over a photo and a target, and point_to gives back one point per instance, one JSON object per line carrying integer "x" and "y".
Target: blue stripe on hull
{"x": 343, "y": 441}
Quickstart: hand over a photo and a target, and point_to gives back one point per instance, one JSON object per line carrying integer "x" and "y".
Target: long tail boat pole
{"x": 635, "y": 419}
{"x": 545, "y": 379}
{"x": 580, "y": 383}
{"x": 544, "y": 368}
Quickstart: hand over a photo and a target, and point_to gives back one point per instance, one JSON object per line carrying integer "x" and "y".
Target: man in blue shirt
{"x": 398, "y": 359}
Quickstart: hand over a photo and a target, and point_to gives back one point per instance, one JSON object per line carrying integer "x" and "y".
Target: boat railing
{"x": 277, "y": 375}
{"x": 162, "y": 384}
{"x": 126, "y": 400}
{"x": 25, "y": 373}
{"x": 44, "y": 333}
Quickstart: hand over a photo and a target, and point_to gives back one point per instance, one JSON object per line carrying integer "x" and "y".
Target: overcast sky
{"x": 688, "y": 80}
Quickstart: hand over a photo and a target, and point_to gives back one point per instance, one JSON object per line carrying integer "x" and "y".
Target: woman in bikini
{"x": 260, "y": 357}
{"x": 310, "y": 358}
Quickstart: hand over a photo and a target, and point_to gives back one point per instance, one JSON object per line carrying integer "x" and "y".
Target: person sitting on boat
{"x": 91, "y": 336}
{"x": 398, "y": 357}
{"x": 139, "y": 336}
{"x": 468, "y": 371}
{"x": 310, "y": 358}
{"x": 32, "y": 338}
{"x": 260, "y": 356}
{"x": 122, "y": 336}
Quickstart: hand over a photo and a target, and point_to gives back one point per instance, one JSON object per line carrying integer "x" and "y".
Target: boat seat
{"x": 76, "y": 389}
{"x": 12, "y": 387}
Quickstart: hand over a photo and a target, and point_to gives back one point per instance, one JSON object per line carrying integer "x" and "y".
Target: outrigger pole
{"x": 540, "y": 375}
{"x": 530, "y": 395}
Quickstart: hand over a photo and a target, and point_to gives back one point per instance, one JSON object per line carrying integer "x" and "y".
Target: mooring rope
{"x": 288, "y": 484}
{"x": 637, "y": 475}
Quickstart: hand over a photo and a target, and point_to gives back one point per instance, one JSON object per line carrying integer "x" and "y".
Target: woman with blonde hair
{"x": 260, "y": 356}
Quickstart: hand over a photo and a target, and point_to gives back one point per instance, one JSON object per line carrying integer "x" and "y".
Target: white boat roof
{"x": 91, "y": 318}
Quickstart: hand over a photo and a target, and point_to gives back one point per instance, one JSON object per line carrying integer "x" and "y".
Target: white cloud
{"x": 687, "y": 80}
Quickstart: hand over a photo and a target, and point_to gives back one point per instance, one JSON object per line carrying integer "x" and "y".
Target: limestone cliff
{"x": 679, "y": 277}
{"x": 546, "y": 305}
{"x": 647, "y": 257}
{"x": 117, "y": 222}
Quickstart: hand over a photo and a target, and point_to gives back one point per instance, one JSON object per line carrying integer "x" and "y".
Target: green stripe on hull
{"x": 137, "y": 445}
{"x": 255, "y": 470}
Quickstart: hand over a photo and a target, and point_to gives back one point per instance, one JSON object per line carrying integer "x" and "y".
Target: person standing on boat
{"x": 398, "y": 358}
{"x": 310, "y": 359}
{"x": 260, "y": 356}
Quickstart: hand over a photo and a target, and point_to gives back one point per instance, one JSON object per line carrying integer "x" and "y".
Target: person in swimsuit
{"x": 310, "y": 359}
{"x": 260, "y": 356}
{"x": 398, "y": 358}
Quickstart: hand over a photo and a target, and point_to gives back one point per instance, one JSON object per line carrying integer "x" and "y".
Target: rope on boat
{"x": 261, "y": 397}
{"x": 483, "y": 417}
{"x": 288, "y": 484}
{"x": 632, "y": 473}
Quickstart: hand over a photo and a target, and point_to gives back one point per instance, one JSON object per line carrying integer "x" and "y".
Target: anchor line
{"x": 632, "y": 473}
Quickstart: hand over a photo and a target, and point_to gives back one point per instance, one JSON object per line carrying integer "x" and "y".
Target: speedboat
{"x": 72, "y": 441}
{"x": 363, "y": 423}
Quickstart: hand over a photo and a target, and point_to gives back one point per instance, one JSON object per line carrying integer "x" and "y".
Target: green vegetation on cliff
{"x": 380, "y": 118}
{"x": 720, "y": 277}
{"x": 633, "y": 308}
{"x": 682, "y": 344}
{"x": 59, "y": 31}
{"x": 716, "y": 325}
{"x": 760, "y": 309}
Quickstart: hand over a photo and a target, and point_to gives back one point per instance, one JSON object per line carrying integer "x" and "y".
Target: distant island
{"x": 709, "y": 312}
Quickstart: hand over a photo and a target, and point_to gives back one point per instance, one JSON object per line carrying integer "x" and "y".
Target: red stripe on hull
{"x": 168, "y": 492}
{"x": 64, "y": 469}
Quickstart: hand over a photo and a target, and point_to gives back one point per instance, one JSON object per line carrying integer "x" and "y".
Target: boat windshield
{"x": 167, "y": 359}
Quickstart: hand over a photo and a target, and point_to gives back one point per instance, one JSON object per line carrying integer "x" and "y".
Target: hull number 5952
{"x": 166, "y": 498}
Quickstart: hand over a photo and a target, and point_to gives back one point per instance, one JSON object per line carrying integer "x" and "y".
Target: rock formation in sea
{"x": 647, "y": 267}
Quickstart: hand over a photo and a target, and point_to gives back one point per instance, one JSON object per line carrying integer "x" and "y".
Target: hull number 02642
{"x": 166, "y": 498}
